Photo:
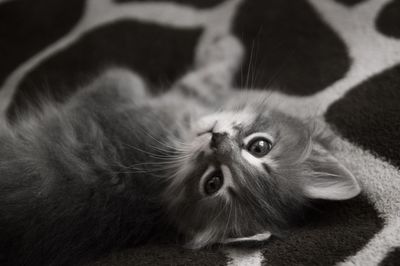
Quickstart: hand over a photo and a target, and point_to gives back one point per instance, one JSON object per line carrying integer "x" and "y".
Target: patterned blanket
{"x": 337, "y": 59}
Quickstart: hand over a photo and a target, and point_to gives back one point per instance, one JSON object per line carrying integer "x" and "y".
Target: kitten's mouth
{"x": 201, "y": 144}
{"x": 208, "y": 131}
{"x": 204, "y": 137}
{"x": 203, "y": 133}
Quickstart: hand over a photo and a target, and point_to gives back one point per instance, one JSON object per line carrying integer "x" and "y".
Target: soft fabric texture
{"x": 338, "y": 59}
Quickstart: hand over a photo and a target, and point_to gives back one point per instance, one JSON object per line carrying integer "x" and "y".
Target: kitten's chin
{"x": 207, "y": 237}
{"x": 202, "y": 239}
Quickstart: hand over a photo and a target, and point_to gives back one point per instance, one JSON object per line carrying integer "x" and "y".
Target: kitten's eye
{"x": 259, "y": 147}
{"x": 213, "y": 183}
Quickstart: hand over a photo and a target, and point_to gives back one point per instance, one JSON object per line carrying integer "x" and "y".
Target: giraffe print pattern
{"x": 338, "y": 60}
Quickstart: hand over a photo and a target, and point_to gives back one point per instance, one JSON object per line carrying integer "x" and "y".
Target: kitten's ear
{"x": 329, "y": 179}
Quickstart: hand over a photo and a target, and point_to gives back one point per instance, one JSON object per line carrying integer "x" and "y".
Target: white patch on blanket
{"x": 244, "y": 257}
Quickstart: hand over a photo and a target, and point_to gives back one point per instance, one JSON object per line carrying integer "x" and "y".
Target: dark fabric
{"x": 26, "y": 27}
{"x": 338, "y": 230}
{"x": 163, "y": 255}
{"x": 350, "y": 2}
{"x": 369, "y": 115}
{"x": 159, "y": 54}
{"x": 279, "y": 40}
{"x": 392, "y": 259}
{"x": 388, "y": 21}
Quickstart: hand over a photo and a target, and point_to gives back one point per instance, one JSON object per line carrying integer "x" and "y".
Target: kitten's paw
{"x": 209, "y": 83}
{"x": 119, "y": 83}
{"x": 225, "y": 49}
{"x": 214, "y": 73}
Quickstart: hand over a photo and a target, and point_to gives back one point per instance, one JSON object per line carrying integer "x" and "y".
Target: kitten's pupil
{"x": 259, "y": 147}
{"x": 213, "y": 183}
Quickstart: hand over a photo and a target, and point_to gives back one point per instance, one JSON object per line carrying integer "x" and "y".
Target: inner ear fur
{"x": 329, "y": 178}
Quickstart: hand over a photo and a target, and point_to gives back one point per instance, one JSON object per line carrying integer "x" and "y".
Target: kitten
{"x": 247, "y": 170}
{"x": 113, "y": 164}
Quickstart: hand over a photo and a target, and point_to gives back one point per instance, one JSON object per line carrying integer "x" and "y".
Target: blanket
{"x": 336, "y": 59}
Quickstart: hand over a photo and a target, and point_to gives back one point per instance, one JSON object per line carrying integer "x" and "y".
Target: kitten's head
{"x": 249, "y": 170}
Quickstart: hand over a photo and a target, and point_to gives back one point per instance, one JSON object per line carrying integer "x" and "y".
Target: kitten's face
{"x": 248, "y": 171}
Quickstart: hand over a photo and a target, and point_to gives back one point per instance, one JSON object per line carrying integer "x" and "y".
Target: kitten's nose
{"x": 222, "y": 146}
{"x": 217, "y": 139}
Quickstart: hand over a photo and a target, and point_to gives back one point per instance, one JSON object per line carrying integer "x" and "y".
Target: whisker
{"x": 228, "y": 220}
{"x": 250, "y": 63}
{"x": 280, "y": 69}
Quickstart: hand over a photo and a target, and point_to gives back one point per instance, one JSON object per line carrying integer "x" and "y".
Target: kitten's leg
{"x": 215, "y": 71}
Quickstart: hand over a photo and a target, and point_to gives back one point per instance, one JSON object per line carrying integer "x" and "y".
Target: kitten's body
{"x": 67, "y": 186}
{"x": 113, "y": 164}
{"x": 88, "y": 175}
